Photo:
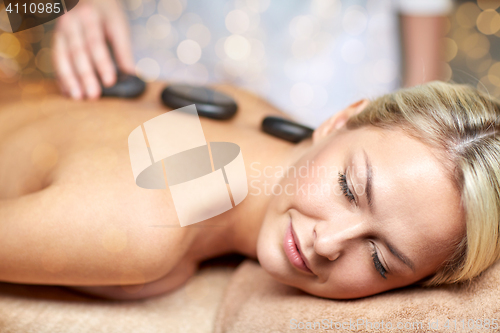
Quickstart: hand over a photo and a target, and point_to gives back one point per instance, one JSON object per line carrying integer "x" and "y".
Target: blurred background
{"x": 472, "y": 46}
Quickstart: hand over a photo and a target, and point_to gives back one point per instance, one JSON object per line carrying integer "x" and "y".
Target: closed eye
{"x": 345, "y": 188}
{"x": 378, "y": 264}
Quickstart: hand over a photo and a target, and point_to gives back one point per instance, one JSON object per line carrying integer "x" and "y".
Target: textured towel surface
{"x": 42, "y": 309}
{"x": 254, "y": 302}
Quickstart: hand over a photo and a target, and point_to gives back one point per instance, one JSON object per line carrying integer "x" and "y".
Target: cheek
{"x": 353, "y": 276}
{"x": 269, "y": 242}
{"x": 359, "y": 285}
{"x": 310, "y": 185}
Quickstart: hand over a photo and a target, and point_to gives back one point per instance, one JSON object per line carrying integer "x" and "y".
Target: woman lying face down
{"x": 400, "y": 190}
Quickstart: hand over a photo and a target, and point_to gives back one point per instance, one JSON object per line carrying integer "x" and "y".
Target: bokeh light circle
{"x": 148, "y": 69}
{"x": 189, "y": 51}
{"x": 237, "y": 47}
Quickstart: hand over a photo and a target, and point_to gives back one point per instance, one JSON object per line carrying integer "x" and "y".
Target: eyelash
{"x": 345, "y": 188}
{"x": 378, "y": 265}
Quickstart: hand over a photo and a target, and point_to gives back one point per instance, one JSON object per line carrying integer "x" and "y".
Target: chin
{"x": 273, "y": 260}
{"x": 280, "y": 272}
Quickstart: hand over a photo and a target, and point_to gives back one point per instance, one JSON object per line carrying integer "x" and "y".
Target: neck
{"x": 237, "y": 230}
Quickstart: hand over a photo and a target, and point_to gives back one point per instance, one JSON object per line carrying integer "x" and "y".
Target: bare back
{"x": 68, "y": 194}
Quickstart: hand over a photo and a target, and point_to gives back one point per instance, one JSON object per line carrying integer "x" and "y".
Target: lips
{"x": 292, "y": 251}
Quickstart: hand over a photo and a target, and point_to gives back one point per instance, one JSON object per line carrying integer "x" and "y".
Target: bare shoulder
{"x": 251, "y": 108}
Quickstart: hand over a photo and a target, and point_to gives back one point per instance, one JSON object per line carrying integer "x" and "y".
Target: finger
{"x": 64, "y": 70}
{"x": 94, "y": 36}
{"x": 81, "y": 60}
{"x": 62, "y": 89}
{"x": 119, "y": 37}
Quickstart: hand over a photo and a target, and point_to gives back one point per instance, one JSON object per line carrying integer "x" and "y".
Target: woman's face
{"x": 372, "y": 210}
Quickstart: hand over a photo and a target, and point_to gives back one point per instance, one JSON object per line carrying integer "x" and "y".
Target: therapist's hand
{"x": 79, "y": 52}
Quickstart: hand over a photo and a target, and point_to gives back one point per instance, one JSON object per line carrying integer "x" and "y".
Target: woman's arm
{"x": 63, "y": 236}
{"x": 423, "y": 51}
{"x": 174, "y": 279}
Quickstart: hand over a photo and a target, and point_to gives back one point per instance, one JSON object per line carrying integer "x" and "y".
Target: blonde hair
{"x": 465, "y": 124}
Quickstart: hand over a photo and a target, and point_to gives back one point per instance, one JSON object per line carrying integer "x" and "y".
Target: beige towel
{"x": 43, "y": 309}
{"x": 255, "y": 302}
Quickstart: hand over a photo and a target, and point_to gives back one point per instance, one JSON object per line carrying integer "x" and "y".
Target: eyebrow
{"x": 369, "y": 198}
{"x": 368, "y": 184}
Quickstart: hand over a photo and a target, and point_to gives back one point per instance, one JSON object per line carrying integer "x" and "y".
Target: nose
{"x": 333, "y": 238}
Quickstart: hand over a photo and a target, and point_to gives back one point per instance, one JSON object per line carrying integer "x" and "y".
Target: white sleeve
{"x": 425, "y": 7}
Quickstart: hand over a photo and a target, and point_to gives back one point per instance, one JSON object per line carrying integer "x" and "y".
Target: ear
{"x": 338, "y": 120}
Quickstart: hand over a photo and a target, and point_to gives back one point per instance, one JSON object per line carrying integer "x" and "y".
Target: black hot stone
{"x": 286, "y": 129}
{"x": 127, "y": 86}
{"x": 209, "y": 103}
